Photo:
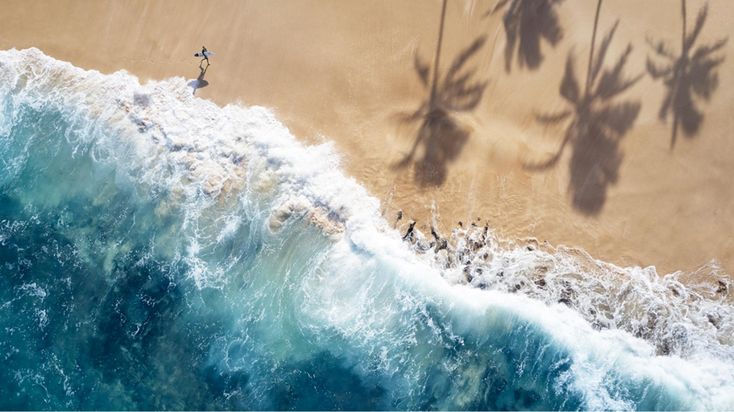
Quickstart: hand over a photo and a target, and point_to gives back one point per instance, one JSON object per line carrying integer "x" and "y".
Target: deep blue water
{"x": 119, "y": 290}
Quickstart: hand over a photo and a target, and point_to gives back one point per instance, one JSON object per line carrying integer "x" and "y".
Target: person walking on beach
{"x": 204, "y": 54}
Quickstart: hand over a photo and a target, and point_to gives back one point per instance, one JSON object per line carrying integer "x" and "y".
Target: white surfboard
{"x": 205, "y": 54}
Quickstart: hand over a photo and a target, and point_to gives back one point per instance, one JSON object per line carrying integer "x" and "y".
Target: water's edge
{"x": 158, "y": 251}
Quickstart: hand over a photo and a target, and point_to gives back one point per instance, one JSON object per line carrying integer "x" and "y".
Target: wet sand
{"x": 347, "y": 72}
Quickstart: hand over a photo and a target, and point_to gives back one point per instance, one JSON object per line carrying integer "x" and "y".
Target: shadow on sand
{"x": 441, "y": 135}
{"x": 687, "y": 77}
{"x": 199, "y": 82}
{"x": 596, "y": 124}
{"x": 526, "y": 23}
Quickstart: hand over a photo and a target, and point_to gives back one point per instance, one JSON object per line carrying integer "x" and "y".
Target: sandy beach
{"x": 478, "y": 141}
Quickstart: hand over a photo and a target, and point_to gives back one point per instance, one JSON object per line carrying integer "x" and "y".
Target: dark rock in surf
{"x": 409, "y": 233}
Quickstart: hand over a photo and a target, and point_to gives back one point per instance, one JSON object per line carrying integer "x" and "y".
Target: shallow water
{"x": 160, "y": 252}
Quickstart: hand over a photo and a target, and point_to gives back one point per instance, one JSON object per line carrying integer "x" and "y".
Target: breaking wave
{"x": 160, "y": 252}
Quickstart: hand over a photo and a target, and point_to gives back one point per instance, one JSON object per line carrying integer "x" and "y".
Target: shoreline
{"x": 344, "y": 72}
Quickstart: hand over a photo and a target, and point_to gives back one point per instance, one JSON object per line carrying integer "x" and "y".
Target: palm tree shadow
{"x": 596, "y": 125}
{"x": 199, "y": 82}
{"x": 440, "y": 134}
{"x": 687, "y": 77}
{"x": 526, "y": 23}
{"x": 443, "y": 138}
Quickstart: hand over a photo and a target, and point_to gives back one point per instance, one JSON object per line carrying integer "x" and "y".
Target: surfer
{"x": 205, "y": 55}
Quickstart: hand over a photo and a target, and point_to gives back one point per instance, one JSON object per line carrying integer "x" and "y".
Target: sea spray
{"x": 680, "y": 313}
{"x": 160, "y": 252}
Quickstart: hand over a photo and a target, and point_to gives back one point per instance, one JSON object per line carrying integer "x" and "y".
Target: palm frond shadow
{"x": 440, "y": 134}
{"x": 687, "y": 77}
{"x": 595, "y": 126}
{"x": 526, "y": 24}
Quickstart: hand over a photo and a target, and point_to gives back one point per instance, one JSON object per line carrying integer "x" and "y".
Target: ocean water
{"x": 160, "y": 252}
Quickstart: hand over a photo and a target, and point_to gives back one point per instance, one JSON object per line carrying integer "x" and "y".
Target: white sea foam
{"x": 206, "y": 156}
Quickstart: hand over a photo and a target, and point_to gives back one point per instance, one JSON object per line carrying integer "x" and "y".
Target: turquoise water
{"x": 160, "y": 252}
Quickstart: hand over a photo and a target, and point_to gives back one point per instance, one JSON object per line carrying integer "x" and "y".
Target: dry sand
{"x": 344, "y": 70}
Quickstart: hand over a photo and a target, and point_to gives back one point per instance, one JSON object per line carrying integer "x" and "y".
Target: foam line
{"x": 611, "y": 337}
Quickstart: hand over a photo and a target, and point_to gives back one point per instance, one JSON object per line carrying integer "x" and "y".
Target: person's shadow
{"x": 199, "y": 82}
